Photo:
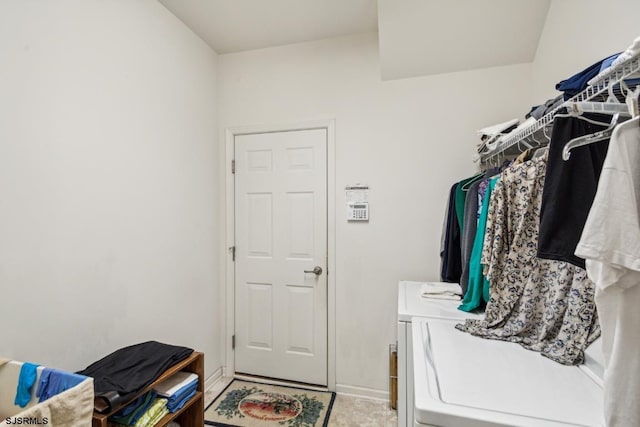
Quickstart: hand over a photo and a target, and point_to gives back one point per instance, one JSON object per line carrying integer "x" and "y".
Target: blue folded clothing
{"x": 180, "y": 397}
{"x": 179, "y": 404}
{"x": 578, "y": 82}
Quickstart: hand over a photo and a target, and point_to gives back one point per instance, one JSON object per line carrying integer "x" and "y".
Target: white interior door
{"x": 281, "y": 237}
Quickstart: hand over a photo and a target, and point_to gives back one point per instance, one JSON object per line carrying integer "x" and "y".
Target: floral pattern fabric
{"x": 544, "y": 305}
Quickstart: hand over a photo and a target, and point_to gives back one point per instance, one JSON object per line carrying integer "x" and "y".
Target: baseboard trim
{"x": 210, "y": 382}
{"x": 213, "y": 385}
{"x": 369, "y": 393}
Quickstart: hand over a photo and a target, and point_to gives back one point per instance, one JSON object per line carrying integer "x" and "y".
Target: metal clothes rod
{"x": 597, "y": 107}
{"x": 600, "y": 86}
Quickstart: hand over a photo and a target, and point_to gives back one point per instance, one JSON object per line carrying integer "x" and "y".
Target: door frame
{"x": 229, "y": 289}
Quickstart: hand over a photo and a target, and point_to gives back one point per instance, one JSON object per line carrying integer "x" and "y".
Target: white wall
{"x": 108, "y": 215}
{"x": 578, "y": 33}
{"x": 408, "y": 139}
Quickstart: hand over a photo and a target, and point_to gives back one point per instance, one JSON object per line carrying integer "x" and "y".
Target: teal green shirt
{"x": 478, "y": 286}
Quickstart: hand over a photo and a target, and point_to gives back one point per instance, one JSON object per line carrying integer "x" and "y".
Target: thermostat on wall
{"x": 357, "y": 202}
{"x": 358, "y": 211}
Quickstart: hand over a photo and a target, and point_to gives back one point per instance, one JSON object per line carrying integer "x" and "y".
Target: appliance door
{"x": 464, "y": 381}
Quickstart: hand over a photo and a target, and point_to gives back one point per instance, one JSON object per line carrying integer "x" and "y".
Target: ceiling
{"x": 423, "y": 37}
{"x": 417, "y": 37}
{"x": 237, "y": 25}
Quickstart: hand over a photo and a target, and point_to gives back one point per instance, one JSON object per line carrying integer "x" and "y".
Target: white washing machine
{"x": 448, "y": 378}
{"x": 465, "y": 381}
{"x": 410, "y": 305}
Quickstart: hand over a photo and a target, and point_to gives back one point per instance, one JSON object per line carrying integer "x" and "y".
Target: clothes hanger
{"x": 503, "y": 161}
{"x": 589, "y": 139}
{"x": 632, "y": 101}
{"x": 492, "y": 161}
{"x": 612, "y": 96}
{"x": 546, "y": 135}
{"x": 533, "y": 137}
{"x": 624, "y": 89}
{"x": 543, "y": 149}
{"x": 577, "y": 114}
{"x": 540, "y": 152}
{"x": 475, "y": 178}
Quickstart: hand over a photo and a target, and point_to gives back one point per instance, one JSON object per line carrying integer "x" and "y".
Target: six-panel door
{"x": 281, "y": 232}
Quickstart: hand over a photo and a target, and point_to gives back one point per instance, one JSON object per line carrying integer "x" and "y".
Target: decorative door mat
{"x": 250, "y": 404}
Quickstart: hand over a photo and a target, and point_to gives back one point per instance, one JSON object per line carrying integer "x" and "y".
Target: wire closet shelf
{"x": 599, "y": 86}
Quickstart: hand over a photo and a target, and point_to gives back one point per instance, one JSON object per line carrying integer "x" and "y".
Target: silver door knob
{"x": 317, "y": 270}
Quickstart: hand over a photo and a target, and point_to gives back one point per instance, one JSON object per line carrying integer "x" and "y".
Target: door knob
{"x": 317, "y": 270}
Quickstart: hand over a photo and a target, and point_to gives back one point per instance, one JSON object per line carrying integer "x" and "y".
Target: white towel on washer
{"x": 441, "y": 290}
{"x": 442, "y": 296}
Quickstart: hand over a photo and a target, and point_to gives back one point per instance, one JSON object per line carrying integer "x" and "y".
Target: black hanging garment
{"x": 570, "y": 187}
{"x": 451, "y": 268}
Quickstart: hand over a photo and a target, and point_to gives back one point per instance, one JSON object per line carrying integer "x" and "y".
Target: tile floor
{"x": 351, "y": 411}
{"x": 348, "y": 411}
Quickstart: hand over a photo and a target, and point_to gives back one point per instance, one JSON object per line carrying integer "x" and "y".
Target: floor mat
{"x": 250, "y": 404}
